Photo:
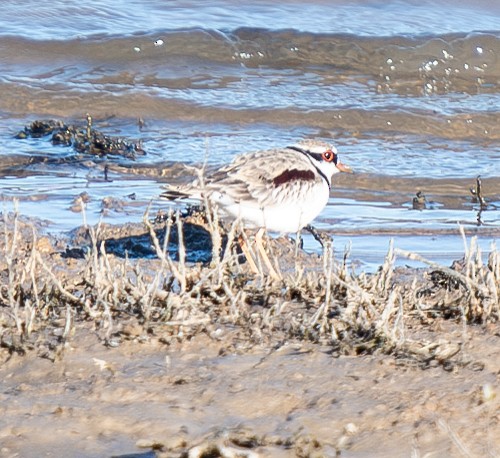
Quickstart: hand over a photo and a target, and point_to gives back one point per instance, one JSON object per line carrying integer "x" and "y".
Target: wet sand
{"x": 289, "y": 400}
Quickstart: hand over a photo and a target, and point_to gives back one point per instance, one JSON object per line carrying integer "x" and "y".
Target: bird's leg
{"x": 299, "y": 243}
{"x": 248, "y": 255}
{"x": 321, "y": 237}
{"x": 265, "y": 257}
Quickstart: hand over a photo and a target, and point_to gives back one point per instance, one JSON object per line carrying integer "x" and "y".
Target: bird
{"x": 278, "y": 190}
{"x": 419, "y": 201}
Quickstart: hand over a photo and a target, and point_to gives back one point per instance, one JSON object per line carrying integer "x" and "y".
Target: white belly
{"x": 287, "y": 217}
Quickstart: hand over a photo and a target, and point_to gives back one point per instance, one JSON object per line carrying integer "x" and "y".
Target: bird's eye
{"x": 329, "y": 156}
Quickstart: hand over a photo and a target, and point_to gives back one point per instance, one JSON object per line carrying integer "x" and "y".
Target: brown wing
{"x": 268, "y": 177}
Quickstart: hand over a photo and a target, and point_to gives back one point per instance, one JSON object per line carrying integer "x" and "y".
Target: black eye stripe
{"x": 317, "y": 156}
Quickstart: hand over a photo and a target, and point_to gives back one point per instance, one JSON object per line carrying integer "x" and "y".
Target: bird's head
{"x": 324, "y": 156}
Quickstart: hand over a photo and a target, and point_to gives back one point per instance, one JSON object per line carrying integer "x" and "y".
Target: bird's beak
{"x": 344, "y": 168}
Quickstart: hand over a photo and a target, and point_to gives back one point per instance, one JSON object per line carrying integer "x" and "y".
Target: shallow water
{"x": 408, "y": 91}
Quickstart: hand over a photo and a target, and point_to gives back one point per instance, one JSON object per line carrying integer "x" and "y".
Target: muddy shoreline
{"x": 150, "y": 356}
{"x": 145, "y": 399}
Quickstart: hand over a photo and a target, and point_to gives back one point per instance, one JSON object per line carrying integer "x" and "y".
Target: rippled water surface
{"x": 408, "y": 91}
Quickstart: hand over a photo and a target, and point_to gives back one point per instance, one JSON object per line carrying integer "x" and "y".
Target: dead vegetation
{"x": 46, "y": 293}
{"x": 83, "y": 139}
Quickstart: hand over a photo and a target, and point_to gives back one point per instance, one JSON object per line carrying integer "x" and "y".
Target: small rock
{"x": 149, "y": 443}
{"x": 43, "y": 245}
{"x": 132, "y": 330}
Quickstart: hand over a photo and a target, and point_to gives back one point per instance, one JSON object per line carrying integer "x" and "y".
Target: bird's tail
{"x": 173, "y": 193}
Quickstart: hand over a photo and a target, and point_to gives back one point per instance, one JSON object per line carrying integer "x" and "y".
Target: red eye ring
{"x": 329, "y": 156}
